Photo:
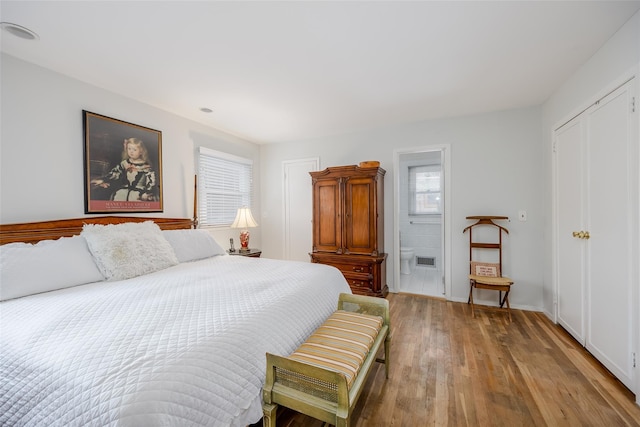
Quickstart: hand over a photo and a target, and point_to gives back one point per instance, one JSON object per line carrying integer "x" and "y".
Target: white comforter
{"x": 183, "y": 346}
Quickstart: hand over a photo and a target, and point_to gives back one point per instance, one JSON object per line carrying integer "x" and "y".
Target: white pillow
{"x": 130, "y": 249}
{"x": 27, "y": 269}
{"x": 191, "y": 245}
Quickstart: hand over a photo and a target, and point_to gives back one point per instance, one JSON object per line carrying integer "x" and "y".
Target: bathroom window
{"x": 425, "y": 195}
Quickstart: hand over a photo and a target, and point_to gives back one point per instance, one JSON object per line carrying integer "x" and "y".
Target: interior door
{"x": 298, "y": 208}
{"x": 611, "y": 187}
{"x": 570, "y": 204}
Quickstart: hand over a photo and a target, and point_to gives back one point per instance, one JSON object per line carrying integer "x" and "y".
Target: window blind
{"x": 224, "y": 185}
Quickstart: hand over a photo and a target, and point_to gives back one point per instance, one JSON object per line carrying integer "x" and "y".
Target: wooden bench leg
{"x": 342, "y": 422}
{"x": 269, "y": 411}
{"x": 387, "y": 344}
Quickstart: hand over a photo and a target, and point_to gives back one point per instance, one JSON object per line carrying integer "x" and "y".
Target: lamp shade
{"x": 244, "y": 219}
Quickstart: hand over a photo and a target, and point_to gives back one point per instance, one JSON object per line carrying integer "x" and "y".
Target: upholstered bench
{"x": 324, "y": 377}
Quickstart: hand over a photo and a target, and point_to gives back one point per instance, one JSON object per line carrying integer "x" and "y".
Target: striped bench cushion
{"x": 341, "y": 344}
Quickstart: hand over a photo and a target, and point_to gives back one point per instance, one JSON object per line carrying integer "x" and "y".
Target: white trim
{"x": 493, "y": 303}
{"x": 609, "y": 88}
{"x": 636, "y": 312}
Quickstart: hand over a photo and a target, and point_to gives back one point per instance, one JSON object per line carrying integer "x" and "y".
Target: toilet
{"x": 406, "y": 255}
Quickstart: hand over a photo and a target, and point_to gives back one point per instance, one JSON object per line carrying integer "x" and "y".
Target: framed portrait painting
{"x": 123, "y": 166}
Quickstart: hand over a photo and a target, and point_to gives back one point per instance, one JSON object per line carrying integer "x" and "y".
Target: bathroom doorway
{"x": 421, "y": 225}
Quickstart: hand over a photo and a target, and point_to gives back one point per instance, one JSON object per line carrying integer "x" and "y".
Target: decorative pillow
{"x": 191, "y": 245}
{"x": 485, "y": 269}
{"x": 27, "y": 269}
{"x": 130, "y": 249}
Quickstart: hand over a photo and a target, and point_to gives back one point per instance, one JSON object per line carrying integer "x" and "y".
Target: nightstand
{"x": 253, "y": 253}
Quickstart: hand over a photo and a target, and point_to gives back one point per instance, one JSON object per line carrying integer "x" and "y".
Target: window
{"x": 224, "y": 185}
{"x": 425, "y": 196}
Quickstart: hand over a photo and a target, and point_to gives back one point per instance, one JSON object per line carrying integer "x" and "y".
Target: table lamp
{"x": 244, "y": 220}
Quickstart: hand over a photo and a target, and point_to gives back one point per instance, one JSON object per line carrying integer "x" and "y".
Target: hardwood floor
{"x": 449, "y": 369}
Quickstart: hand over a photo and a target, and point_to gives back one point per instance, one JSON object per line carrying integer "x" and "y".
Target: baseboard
{"x": 495, "y": 304}
{"x": 549, "y": 315}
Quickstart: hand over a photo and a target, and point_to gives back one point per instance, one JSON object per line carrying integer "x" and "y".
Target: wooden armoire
{"x": 348, "y": 225}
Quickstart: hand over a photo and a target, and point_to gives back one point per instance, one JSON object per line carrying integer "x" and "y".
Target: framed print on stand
{"x": 123, "y": 166}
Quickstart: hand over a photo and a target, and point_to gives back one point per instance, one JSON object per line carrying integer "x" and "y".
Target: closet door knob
{"x": 579, "y": 234}
{"x": 586, "y": 235}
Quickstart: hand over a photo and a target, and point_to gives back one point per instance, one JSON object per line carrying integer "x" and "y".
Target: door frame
{"x": 445, "y": 150}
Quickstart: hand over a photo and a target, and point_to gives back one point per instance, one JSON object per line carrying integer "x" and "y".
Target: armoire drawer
{"x": 366, "y": 275}
{"x": 362, "y": 269}
{"x": 360, "y": 286}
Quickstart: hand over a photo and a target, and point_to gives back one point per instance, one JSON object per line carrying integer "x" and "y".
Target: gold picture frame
{"x": 123, "y": 166}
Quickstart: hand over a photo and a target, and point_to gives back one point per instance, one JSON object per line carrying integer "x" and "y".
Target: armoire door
{"x": 596, "y": 203}
{"x": 360, "y": 215}
{"x": 327, "y": 215}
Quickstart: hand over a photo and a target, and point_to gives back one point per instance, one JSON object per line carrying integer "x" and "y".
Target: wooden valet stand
{"x": 483, "y": 275}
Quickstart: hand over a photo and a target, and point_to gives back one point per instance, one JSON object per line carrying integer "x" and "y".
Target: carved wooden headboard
{"x": 32, "y": 232}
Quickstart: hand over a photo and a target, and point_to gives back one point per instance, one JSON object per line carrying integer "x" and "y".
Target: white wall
{"x": 496, "y": 161}
{"x": 41, "y": 146}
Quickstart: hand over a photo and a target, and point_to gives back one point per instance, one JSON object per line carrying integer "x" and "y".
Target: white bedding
{"x": 179, "y": 347}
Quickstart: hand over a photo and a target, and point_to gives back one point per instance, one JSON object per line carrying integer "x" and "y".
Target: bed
{"x": 179, "y": 346}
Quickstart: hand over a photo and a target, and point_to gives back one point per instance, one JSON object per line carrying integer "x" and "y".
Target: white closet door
{"x": 598, "y": 192}
{"x": 570, "y": 202}
{"x": 610, "y": 247}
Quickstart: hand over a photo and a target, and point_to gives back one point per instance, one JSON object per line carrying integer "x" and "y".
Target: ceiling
{"x": 285, "y": 71}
